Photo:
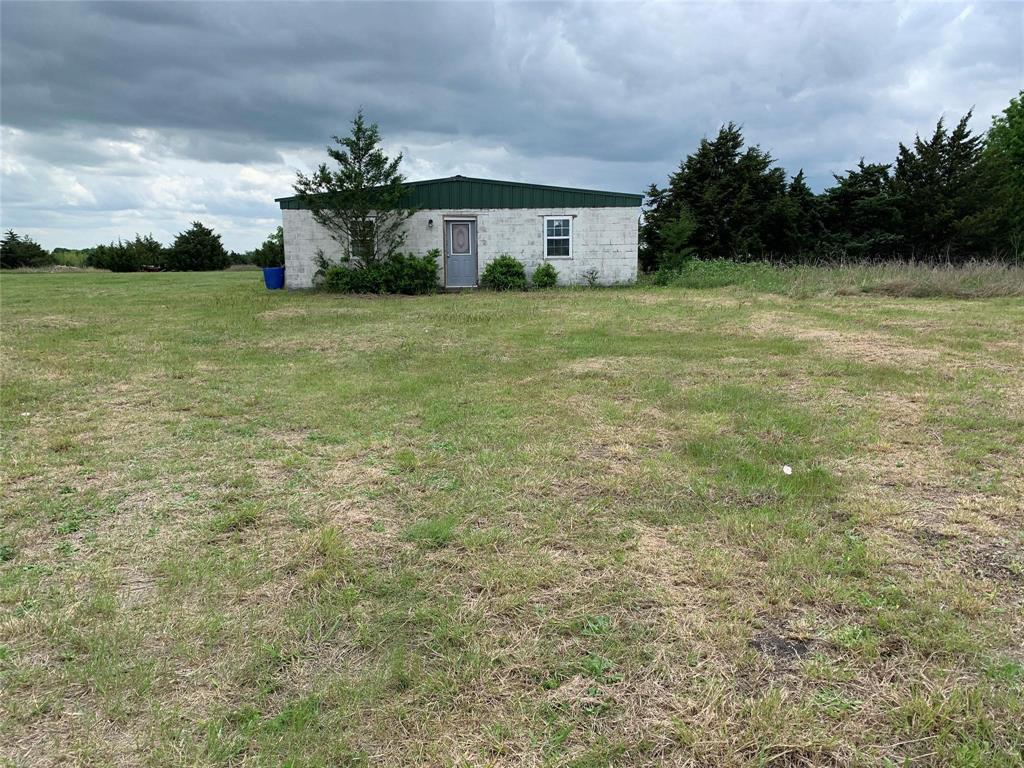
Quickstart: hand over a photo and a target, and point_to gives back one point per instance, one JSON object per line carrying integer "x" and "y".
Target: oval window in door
{"x": 460, "y": 237}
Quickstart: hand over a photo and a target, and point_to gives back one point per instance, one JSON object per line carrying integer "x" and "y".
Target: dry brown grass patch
{"x": 602, "y": 365}
{"x": 60, "y": 322}
{"x": 915, "y": 507}
{"x": 870, "y": 347}
{"x": 283, "y": 313}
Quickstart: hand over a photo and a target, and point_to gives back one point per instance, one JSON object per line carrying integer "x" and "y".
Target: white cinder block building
{"x": 473, "y": 221}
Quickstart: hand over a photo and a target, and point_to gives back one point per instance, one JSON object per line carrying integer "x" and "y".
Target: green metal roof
{"x": 464, "y": 192}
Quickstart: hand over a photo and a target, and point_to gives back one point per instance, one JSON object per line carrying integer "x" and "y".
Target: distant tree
{"x": 938, "y": 185}
{"x": 861, "y": 215}
{"x": 729, "y": 201}
{"x": 22, "y": 251}
{"x": 951, "y": 195}
{"x": 803, "y": 217}
{"x": 1005, "y": 141}
{"x": 114, "y": 257}
{"x": 677, "y": 236}
{"x": 196, "y": 249}
{"x": 271, "y": 252}
{"x": 666, "y": 231}
{"x": 656, "y": 214}
{"x": 148, "y": 251}
{"x": 1002, "y": 167}
{"x": 359, "y": 202}
{"x": 127, "y": 256}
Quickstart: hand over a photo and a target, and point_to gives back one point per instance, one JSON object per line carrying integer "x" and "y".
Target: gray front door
{"x": 460, "y": 254}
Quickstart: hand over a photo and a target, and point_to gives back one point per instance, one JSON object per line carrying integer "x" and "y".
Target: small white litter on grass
{"x": 787, "y": 470}
{"x": 26, "y": 413}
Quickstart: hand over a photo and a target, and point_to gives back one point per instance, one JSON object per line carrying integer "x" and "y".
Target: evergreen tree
{"x": 655, "y": 212}
{"x": 130, "y": 256}
{"x": 804, "y": 216}
{"x": 665, "y": 233}
{"x": 271, "y": 252}
{"x": 735, "y": 198}
{"x": 951, "y": 195}
{"x": 17, "y": 251}
{"x": 197, "y": 249}
{"x": 940, "y": 189}
{"x": 360, "y": 202}
{"x": 149, "y": 251}
{"x": 861, "y": 215}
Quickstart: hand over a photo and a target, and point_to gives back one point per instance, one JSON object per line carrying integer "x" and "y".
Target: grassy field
{"x": 973, "y": 280}
{"x": 250, "y": 528}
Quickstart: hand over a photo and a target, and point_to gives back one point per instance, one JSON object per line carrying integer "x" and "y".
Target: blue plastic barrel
{"x": 273, "y": 277}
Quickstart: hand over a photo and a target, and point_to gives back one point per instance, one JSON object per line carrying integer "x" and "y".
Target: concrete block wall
{"x": 604, "y": 239}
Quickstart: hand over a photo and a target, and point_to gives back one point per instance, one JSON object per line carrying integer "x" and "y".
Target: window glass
{"x": 558, "y": 227}
{"x": 557, "y": 237}
{"x": 558, "y": 247}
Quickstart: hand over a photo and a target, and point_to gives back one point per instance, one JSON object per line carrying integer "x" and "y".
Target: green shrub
{"x": 712, "y": 273}
{"x": 545, "y": 276}
{"x": 19, "y": 251}
{"x": 504, "y": 274}
{"x": 411, "y": 275}
{"x": 132, "y": 256}
{"x": 116, "y": 257}
{"x": 340, "y": 278}
{"x": 271, "y": 253}
{"x": 402, "y": 273}
{"x": 673, "y": 261}
{"x": 198, "y": 249}
{"x": 69, "y": 257}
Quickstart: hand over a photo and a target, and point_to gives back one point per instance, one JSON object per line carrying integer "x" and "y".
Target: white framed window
{"x": 558, "y": 237}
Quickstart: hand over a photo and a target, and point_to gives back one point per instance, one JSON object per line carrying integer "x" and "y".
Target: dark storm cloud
{"x": 267, "y": 71}
{"x": 210, "y": 107}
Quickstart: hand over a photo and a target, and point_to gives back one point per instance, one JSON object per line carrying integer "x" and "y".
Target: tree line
{"x": 950, "y": 197}
{"x": 198, "y": 248}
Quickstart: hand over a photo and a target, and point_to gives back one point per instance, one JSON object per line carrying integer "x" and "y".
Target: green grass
{"x": 254, "y": 528}
{"x": 976, "y": 279}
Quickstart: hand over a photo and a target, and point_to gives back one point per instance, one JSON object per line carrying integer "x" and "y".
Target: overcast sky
{"x": 121, "y": 117}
